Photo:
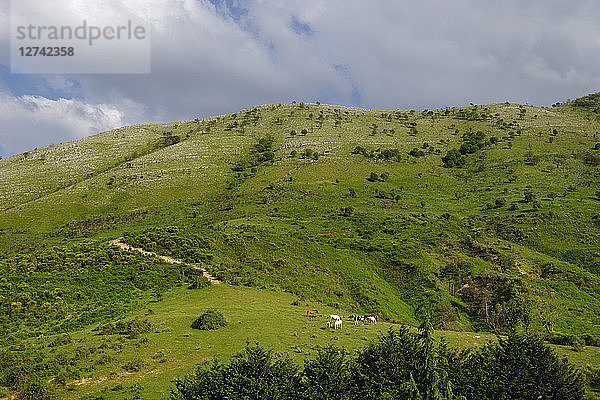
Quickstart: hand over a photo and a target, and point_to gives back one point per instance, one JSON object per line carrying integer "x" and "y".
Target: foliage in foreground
{"x": 400, "y": 365}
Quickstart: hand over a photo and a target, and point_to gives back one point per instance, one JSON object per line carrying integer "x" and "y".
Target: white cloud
{"x": 28, "y": 121}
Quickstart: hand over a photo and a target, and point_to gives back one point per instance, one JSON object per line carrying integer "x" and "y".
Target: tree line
{"x": 399, "y": 365}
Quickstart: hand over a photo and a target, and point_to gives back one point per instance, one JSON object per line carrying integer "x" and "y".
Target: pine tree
{"x": 430, "y": 378}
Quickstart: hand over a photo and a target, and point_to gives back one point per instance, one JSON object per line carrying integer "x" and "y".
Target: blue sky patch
{"x": 301, "y": 28}
{"x": 36, "y": 85}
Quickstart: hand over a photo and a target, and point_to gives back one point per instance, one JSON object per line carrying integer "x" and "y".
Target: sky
{"x": 211, "y": 57}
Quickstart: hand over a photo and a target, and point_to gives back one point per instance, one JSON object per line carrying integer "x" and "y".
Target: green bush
{"x": 196, "y": 278}
{"x": 35, "y": 389}
{"x": 133, "y": 328}
{"x": 211, "y": 319}
{"x": 592, "y": 376}
{"x": 564, "y": 339}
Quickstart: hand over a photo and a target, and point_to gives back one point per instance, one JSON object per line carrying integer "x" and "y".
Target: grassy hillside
{"x": 488, "y": 217}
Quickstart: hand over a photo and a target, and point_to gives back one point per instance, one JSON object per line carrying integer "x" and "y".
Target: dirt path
{"x": 170, "y": 260}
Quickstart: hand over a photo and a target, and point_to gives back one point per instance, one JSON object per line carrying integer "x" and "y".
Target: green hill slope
{"x": 311, "y": 207}
{"x": 486, "y": 216}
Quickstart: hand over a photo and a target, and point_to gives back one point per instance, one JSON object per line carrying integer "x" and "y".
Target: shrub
{"x": 564, "y": 339}
{"x": 468, "y": 148}
{"x": 133, "y": 365}
{"x": 211, "y": 319}
{"x": 528, "y": 196}
{"x": 169, "y": 139}
{"x": 592, "y": 159}
{"x": 196, "y": 278}
{"x": 415, "y": 152}
{"x": 133, "y": 328}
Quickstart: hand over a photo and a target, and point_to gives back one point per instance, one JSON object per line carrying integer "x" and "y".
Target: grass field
{"x": 263, "y": 316}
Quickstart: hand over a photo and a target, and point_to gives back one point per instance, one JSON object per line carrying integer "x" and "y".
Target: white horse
{"x": 338, "y": 324}
{"x": 335, "y": 317}
{"x": 372, "y": 320}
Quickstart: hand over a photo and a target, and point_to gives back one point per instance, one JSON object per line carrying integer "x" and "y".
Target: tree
{"x": 385, "y": 368}
{"x": 327, "y": 377}
{"x": 519, "y": 367}
{"x": 253, "y": 374}
{"x": 430, "y": 376}
{"x": 453, "y": 158}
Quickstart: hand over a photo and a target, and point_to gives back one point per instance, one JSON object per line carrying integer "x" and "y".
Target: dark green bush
{"x": 133, "y": 365}
{"x": 211, "y": 319}
{"x": 453, "y": 158}
{"x": 589, "y": 340}
{"x": 592, "y": 376}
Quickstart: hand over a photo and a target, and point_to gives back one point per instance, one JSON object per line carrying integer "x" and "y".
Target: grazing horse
{"x": 372, "y": 320}
{"x": 358, "y": 319}
{"x": 338, "y": 324}
{"x": 335, "y": 317}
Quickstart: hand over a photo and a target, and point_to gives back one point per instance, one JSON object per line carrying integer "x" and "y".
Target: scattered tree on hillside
{"x": 453, "y": 158}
